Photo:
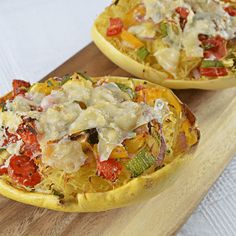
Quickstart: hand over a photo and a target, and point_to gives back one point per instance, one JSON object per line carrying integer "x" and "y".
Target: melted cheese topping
{"x": 143, "y": 31}
{"x": 106, "y": 108}
{"x": 205, "y": 17}
{"x": 211, "y": 11}
{"x": 10, "y": 120}
{"x": 172, "y": 63}
{"x": 66, "y": 155}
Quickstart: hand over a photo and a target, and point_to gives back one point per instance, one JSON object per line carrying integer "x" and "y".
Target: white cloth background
{"x": 36, "y": 36}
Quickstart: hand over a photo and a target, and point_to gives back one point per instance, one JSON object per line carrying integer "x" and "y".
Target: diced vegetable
{"x": 119, "y": 152}
{"x": 23, "y": 170}
{"x": 45, "y": 87}
{"x": 109, "y": 169}
{"x": 211, "y": 63}
{"x": 141, "y": 162}
{"x": 135, "y": 16}
{"x": 231, "y": 11}
{"x": 214, "y": 72}
{"x": 115, "y": 27}
{"x": 49, "y": 83}
{"x": 126, "y": 89}
{"x": 131, "y": 39}
{"x": 214, "y": 46}
{"x": 3, "y": 170}
{"x": 182, "y": 11}
{"x": 65, "y": 79}
{"x": 163, "y": 28}
{"x": 27, "y": 132}
{"x": 133, "y": 145}
{"x": 142, "y": 53}
{"x": 183, "y": 14}
{"x": 20, "y": 87}
{"x": 3, "y": 106}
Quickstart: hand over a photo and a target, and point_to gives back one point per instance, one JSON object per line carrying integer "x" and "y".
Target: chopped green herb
{"x": 142, "y": 53}
{"x": 65, "y": 79}
{"x": 126, "y": 89}
{"x": 211, "y": 64}
{"x": 164, "y": 29}
{"x": 84, "y": 76}
{"x": 141, "y": 162}
{"x": 57, "y": 193}
{"x": 3, "y": 106}
{"x": 49, "y": 83}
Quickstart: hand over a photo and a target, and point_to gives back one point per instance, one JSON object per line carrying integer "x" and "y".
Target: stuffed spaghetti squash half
{"x": 179, "y": 44}
{"x": 82, "y": 144}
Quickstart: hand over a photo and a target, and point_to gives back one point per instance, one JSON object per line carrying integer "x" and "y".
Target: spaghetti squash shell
{"x": 136, "y": 190}
{"x": 148, "y": 73}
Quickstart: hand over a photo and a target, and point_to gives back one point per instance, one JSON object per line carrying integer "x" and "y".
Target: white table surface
{"x": 36, "y": 36}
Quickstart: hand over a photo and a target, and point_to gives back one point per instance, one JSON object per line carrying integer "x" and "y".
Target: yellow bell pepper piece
{"x": 135, "y": 144}
{"x": 131, "y": 17}
{"x": 119, "y": 152}
{"x": 46, "y": 87}
{"x": 131, "y": 39}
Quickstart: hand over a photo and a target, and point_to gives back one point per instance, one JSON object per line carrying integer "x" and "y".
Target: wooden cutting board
{"x": 162, "y": 215}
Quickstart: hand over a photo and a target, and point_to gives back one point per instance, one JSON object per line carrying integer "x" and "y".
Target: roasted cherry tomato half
{"x": 183, "y": 15}
{"x": 24, "y": 171}
{"x": 28, "y": 134}
{"x": 231, "y": 11}
{"x": 20, "y": 87}
{"x": 109, "y": 169}
{"x": 115, "y": 27}
{"x": 3, "y": 170}
{"x": 213, "y": 72}
{"x": 214, "y": 46}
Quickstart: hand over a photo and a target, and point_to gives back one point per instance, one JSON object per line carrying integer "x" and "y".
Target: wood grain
{"x": 162, "y": 215}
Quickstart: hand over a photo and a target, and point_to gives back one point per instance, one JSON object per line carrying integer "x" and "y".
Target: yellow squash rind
{"x": 148, "y": 73}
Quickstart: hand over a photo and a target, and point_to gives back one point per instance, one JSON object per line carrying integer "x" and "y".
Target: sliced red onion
{"x": 196, "y": 73}
{"x": 163, "y": 147}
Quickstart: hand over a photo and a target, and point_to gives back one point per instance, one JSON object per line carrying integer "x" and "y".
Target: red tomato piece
{"x": 214, "y": 46}
{"x": 183, "y": 13}
{"x": 115, "y": 27}
{"x": 20, "y": 87}
{"x": 213, "y": 72}
{"x": 230, "y": 10}
{"x": 28, "y": 134}
{"x": 23, "y": 170}
{"x": 109, "y": 169}
{"x": 3, "y": 170}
